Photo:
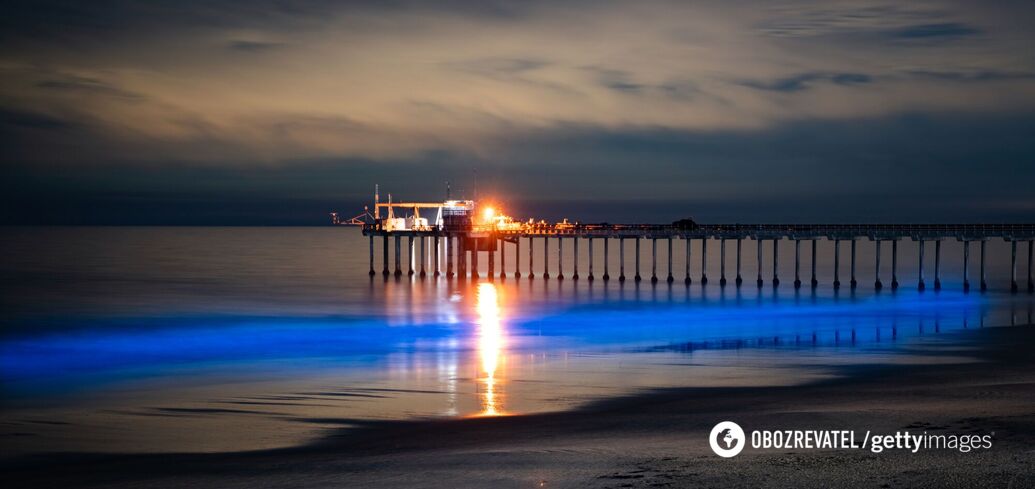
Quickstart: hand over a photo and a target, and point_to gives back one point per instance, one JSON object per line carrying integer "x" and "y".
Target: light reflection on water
{"x": 490, "y": 348}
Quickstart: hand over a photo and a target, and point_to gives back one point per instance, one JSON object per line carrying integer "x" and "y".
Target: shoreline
{"x": 651, "y": 439}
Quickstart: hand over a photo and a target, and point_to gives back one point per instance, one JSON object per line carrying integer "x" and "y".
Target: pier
{"x": 461, "y": 240}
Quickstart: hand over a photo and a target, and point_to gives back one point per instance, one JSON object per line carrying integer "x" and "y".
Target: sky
{"x": 243, "y": 112}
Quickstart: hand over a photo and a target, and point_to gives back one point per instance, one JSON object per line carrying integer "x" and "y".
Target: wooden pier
{"x": 461, "y": 244}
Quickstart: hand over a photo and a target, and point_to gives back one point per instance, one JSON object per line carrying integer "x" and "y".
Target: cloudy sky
{"x": 275, "y": 112}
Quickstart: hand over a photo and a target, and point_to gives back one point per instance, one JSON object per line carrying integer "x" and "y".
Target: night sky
{"x": 275, "y": 112}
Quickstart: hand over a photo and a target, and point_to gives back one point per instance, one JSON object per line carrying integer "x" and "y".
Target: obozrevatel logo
{"x": 727, "y": 439}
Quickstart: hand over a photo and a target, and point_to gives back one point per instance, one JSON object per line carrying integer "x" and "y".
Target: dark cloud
{"x": 944, "y": 31}
{"x": 972, "y": 76}
{"x": 901, "y": 168}
{"x": 15, "y": 119}
{"x": 804, "y": 81}
{"x": 82, "y": 84}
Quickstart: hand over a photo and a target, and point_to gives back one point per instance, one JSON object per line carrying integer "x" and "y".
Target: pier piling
{"x": 1013, "y": 267}
{"x": 758, "y": 243}
{"x": 637, "y": 276}
{"x": 894, "y": 264}
{"x": 503, "y": 257}
{"x": 560, "y": 258}
{"x": 384, "y": 258}
{"x": 590, "y": 259}
{"x": 410, "y": 256}
{"x": 852, "y": 282}
{"x": 776, "y": 261}
{"x": 876, "y": 267}
{"x": 920, "y": 261}
{"x": 371, "y": 255}
{"x": 686, "y": 277}
{"x": 704, "y": 261}
{"x": 966, "y": 265}
{"x": 607, "y": 276}
{"x": 621, "y": 259}
{"x": 517, "y": 257}
{"x": 436, "y": 261}
{"x": 722, "y": 262}
{"x": 575, "y": 273}
{"x": 546, "y": 257}
{"x": 837, "y": 264}
{"x": 984, "y": 282}
{"x": 654, "y": 260}
{"x": 815, "y": 281}
{"x": 450, "y": 244}
{"x": 1031, "y": 283}
{"x": 531, "y": 262}
{"x": 797, "y": 264}
{"x": 398, "y": 256}
{"x": 423, "y": 257}
{"x": 739, "y": 280}
{"x": 937, "y": 264}
{"x": 670, "y": 279}
{"x": 492, "y": 264}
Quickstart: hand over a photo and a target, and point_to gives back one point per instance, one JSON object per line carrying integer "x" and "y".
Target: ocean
{"x": 209, "y": 339}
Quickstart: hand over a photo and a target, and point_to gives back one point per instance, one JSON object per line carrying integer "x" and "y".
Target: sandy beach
{"x": 657, "y": 439}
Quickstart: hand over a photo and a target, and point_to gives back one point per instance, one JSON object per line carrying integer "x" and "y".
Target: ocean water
{"x": 156, "y": 339}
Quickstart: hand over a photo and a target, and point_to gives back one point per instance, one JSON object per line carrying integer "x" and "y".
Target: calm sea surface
{"x": 213, "y": 339}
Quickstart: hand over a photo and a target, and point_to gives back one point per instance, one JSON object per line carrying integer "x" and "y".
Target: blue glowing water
{"x": 240, "y": 333}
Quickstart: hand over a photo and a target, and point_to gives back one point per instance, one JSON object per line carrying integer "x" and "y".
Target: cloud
{"x": 942, "y": 32}
{"x": 253, "y": 46}
{"x": 803, "y": 81}
{"x": 87, "y": 85}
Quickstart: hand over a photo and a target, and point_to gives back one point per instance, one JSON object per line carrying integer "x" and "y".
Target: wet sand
{"x": 656, "y": 439}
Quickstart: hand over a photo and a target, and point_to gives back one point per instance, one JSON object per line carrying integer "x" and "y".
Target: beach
{"x": 652, "y": 439}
